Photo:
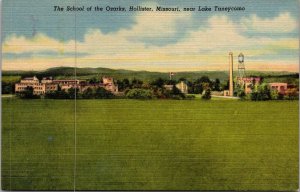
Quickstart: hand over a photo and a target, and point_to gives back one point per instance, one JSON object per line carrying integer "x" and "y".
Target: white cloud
{"x": 221, "y": 34}
{"x": 155, "y": 25}
{"x": 203, "y": 49}
{"x": 281, "y": 24}
{"x": 39, "y": 43}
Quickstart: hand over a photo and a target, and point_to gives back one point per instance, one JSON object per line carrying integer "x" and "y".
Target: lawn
{"x": 149, "y": 145}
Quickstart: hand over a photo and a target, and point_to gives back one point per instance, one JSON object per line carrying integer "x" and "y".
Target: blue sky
{"x": 35, "y": 37}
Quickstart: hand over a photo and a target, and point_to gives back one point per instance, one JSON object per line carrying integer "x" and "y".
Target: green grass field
{"x": 149, "y": 145}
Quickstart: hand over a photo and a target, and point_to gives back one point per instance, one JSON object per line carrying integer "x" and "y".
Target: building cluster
{"x": 48, "y": 84}
{"x": 249, "y": 82}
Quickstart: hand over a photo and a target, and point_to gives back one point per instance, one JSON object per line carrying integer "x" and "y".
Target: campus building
{"x": 280, "y": 87}
{"x": 38, "y": 88}
{"x": 48, "y": 84}
{"x": 109, "y": 85}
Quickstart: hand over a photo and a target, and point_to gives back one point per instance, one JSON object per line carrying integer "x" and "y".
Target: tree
{"x": 158, "y": 82}
{"x": 176, "y": 93}
{"x": 261, "y": 93}
{"x": 8, "y": 87}
{"x": 225, "y": 85}
{"x": 139, "y": 94}
{"x": 124, "y": 84}
{"x": 197, "y": 89}
{"x": 175, "y": 90}
{"x": 102, "y": 93}
{"x": 217, "y": 85}
{"x": 274, "y": 94}
{"x": 241, "y": 94}
{"x": 59, "y": 94}
{"x": 198, "y": 84}
{"x": 161, "y": 93}
{"x": 73, "y": 93}
{"x": 93, "y": 80}
{"x": 206, "y": 95}
{"x": 190, "y": 86}
{"x": 89, "y": 93}
{"x": 27, "y": 94}
{"x": 239, "y": 91}
{"x": 136, "y": 83}
{"x": 170, "y": 82}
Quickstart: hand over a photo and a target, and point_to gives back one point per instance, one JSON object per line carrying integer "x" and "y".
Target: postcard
{"x": 150, "y": 95}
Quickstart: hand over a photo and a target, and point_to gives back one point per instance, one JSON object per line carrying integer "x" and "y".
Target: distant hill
{"x": 86, "y": 73}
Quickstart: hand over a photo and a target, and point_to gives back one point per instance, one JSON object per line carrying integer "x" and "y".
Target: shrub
{"x": 8, "y": 87}
{"x": 190, "y": 97}
{"x": 59, "y": 94}
{"x": 274, "y": 94}
{"x": 27, "y": 94}
{"x": 102, "y": 93}
{"x": 139, "y": 94}
{"x": 89, "y": 93}
{"x": 241, "y": 94}
{"x": 261, "y": 93}
{"x": 176, "y": 92}
{"x": 206, "y": 95}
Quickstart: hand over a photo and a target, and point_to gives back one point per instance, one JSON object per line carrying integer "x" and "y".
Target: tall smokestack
{"x": 231, "y": 74}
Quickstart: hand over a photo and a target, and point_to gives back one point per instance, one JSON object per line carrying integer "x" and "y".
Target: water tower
{"x": 241, "y": 67}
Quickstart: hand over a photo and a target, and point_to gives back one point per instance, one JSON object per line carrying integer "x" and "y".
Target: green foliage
{"x": 216, "y": 85}
{"x": 175, "y": 91}
{"x": 8, "y": 84}
{"x": 139, "y": 94}
{"x": 274, "y": 94}
{"x": 7, "y": 88}
{"x": 239, "y": 91}
{"x": 59, "y": 94}
{"x": 158, "y": 82}
{"x": 206, "y": 95}
{"x": 102, "y": 93}
{"x": 200, "y": 85}
{"x": 73, "y": 93}
{"x": 171, "y": 82}
{"x": 123, "y": 85}
{"x": 94, "y": 80}
{"x": 27, "y": 94}
{"x": 161, "y": 93}
{"x": 261, "y": 92}
{"x": 136, "y": 83}
{"x": 89, "y": 93}
{"x": 241, "y": 94}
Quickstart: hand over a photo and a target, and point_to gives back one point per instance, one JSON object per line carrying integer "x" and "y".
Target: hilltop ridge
{"x": 85, "y": 73}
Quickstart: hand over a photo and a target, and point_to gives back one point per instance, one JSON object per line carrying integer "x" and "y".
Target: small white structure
{"x": 182, "y": 86}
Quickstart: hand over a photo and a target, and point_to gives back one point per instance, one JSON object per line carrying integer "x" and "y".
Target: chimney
{"x": 231, "y": 74}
